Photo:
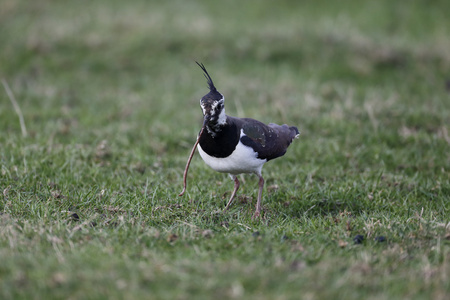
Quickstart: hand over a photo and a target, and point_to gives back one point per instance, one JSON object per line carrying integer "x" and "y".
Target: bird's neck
{"x": 215, "y": 125}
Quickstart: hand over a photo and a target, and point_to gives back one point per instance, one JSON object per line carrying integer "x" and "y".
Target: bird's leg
{"x": 236, "y": 187}
{"x": 258, "y": 202}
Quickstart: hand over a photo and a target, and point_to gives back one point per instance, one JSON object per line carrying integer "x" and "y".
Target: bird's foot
{"x": 256, "y": 215}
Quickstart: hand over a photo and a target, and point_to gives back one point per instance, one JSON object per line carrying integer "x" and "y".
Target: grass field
{"x": 109, "y": 91}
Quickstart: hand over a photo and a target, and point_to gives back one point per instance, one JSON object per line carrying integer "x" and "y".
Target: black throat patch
{"x": 223, "y": 143}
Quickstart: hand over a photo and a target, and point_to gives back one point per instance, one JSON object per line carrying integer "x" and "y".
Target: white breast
{"x": 242, "y": 160}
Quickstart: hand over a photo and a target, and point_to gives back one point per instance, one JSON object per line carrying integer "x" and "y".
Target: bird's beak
{"x": 206, "y": 120}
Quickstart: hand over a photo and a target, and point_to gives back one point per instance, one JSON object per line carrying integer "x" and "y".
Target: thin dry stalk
{"x": 16, "y": 107}
{"x": 189, "y": 161}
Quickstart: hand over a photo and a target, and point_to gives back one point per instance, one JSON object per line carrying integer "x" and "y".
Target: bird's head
{"x": 212, "y": 104}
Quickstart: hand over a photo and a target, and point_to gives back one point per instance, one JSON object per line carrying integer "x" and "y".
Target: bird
{"x": 238, "y": 145}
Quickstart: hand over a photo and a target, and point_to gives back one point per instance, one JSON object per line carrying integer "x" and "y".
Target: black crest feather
{"x": 211, "y": 86}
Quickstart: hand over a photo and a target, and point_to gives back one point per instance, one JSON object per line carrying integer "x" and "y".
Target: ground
{"x": 109, "y": 92}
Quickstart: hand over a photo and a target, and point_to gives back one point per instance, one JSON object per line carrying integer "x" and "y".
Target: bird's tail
{"x": 294, "y": 132}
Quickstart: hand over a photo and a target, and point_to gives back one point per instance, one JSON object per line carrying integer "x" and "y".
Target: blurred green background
{"x": 109, "y": 92}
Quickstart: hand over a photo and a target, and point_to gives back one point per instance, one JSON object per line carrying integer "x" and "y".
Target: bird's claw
{"x": 256, "y": 215}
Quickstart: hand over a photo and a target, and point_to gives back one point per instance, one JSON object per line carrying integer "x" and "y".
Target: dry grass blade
{"x": 16, "y": 107}
{"x": 189, "y": 162}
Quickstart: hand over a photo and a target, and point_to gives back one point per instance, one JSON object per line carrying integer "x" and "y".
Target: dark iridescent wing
{"x": 269, "y": 141}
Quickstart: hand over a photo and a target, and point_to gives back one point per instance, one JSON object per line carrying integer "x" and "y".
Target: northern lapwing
{"x": 238, "y": 145}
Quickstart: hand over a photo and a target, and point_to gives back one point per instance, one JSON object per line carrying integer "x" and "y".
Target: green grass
{"x": 109, "y": 93}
